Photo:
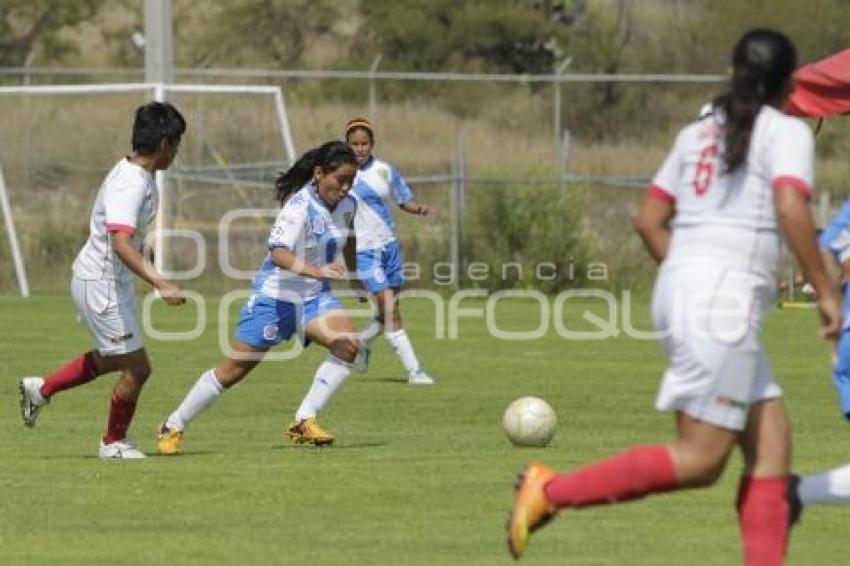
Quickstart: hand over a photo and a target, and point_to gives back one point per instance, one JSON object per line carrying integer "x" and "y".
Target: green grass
{"x": 418, "y": 475}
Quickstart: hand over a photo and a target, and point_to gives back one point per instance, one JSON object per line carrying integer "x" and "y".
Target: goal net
{"x": 58, "y": 142}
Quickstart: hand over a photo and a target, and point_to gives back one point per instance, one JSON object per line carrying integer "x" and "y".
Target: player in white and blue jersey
{"x": 291, "y": 292}
{"x": 835, "y": 238}
{"x": 378, "y": 188}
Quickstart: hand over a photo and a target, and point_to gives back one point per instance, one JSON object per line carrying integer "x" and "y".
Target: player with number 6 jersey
{"x": 733, "y": 182}
{"x": 732, "y": 214}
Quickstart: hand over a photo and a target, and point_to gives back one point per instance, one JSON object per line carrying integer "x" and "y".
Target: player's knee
{"x": 697, "y": 468}
{"x": 344, "y": 349}
{"x": 706, "y": 475}
{"x": 231, "y": 373}
{"x": 140, "y": 372}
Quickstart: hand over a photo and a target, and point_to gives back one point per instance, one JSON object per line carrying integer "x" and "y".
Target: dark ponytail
{"x": 328, "y": 156}
{"x": 762, "y": 63}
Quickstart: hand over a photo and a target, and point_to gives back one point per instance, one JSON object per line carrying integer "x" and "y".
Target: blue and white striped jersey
{"x": 836, "y": 236}
{"x": 377, "y": 186}
{"x": 314, "y": 233}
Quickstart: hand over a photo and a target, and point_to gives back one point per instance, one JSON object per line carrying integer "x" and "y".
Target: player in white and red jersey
{"x": 291, "y": 293}
{"x": 734, "y": 181}
{"x": 103, "y": 284}
{"x": 379, "y": 188}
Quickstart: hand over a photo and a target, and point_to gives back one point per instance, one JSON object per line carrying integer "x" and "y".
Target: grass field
{"x": 418, "y": 475}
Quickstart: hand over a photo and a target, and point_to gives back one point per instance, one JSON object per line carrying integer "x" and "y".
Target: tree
{"x": 35, "y": 27}
{"x": 258, "y": 32}
{"x": 515, "y": 36}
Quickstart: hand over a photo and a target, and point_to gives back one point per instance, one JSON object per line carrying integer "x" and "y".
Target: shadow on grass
{"x": 148, "y": 454}
{"x": 353, "y": 445}
{"x": 382, "y": 380}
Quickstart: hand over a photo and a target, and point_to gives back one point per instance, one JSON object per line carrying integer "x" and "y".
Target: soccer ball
{"x": 529, "y": 421}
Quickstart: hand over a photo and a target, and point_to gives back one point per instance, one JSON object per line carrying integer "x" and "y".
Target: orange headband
{"x": 358, "y": 123}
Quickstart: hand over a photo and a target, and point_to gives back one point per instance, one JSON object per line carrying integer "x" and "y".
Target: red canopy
{"x": 822, "y": 88}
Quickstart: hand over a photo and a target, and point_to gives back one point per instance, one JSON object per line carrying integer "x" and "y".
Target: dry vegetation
{"x": 55, "y": 150}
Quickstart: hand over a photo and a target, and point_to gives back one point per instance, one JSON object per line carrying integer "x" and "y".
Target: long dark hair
{"x": 762, "y": 63}
{"x": 328, "y": 156}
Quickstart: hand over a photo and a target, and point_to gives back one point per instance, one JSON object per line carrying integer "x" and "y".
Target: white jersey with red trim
{"x": 127, "y": 202}
{"x": 730, "y": 218}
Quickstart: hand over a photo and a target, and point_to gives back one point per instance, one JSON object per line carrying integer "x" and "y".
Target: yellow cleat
{"x": 169, "y": 440}
{"x": 308, "y": 431}
{"x": 531, "y": 510}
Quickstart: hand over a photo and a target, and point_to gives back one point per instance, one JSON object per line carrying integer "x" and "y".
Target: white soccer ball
{"x": 529, "y": 421}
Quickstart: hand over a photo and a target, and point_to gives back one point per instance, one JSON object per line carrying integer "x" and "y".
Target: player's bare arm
{"x": 653, "y": 225}
{"x": 122, "y": 245}
{"x": 285, "y": 259}
{"x": 798, "y": 227}
{"x": 418, "y": 208}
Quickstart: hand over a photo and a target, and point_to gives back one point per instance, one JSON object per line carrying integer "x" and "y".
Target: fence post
{"x": 564, "y": 159}
{"x": 458, "y": 198}
{"x": 560, "y": 69}
{"x": 373, "y": 89}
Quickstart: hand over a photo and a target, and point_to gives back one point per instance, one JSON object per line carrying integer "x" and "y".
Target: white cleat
{"x": 31, "y": 399}
{"x": 419, "y": 377}
{"x": 119, "y": 450}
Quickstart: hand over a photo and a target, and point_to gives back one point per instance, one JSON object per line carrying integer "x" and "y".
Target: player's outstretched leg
{"x": 389, "y": 312}
{"x": 831, "y": 487}
{"x": 329, "y": 377}
{"x": 531, "y": 509}
{"x": 31, "y": 399}
{"x": 308, "y": 431}
{"x": 632, "y": 474}
{"x": 206, "y": 390}
{"x": 37, "y": 391}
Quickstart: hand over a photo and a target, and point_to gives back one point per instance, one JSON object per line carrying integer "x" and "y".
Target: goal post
{"x": 53, "y": 136}
{"x": 11, "y": 234}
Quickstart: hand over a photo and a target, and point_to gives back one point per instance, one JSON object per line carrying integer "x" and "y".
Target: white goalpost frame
{"x": 17, "y": 257}
{"x": 159, "y": 91}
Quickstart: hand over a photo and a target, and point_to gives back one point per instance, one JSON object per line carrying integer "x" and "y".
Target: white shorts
{"x": 711, "y": 320}
{"x": 108, "y": 308}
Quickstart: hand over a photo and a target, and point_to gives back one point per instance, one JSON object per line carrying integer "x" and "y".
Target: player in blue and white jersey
{"x": 835, "y": 238}
{"x": 291, "y": 292}
{"x": 378, "y": 188}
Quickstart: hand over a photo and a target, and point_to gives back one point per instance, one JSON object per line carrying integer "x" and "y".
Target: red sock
{"x": 763, "y": 515}
{"x": 120, "y": 414}
{"x": 80, "y": 370}
{"x": 629, "y": 475}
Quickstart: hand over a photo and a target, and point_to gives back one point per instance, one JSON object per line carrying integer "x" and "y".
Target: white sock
{"x": 205, "y": 391}
{"x": 327, "y": 380}
{"x": 832, "y": 487}
{"x": 402, "y": 346}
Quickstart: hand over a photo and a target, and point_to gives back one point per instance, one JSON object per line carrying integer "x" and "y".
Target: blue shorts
{"x": 381, "y": 268}
{"x": 265, "y": 322}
